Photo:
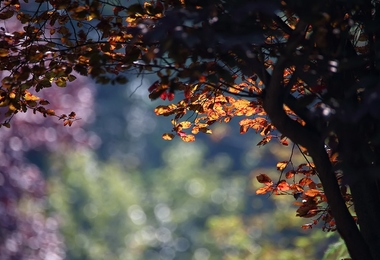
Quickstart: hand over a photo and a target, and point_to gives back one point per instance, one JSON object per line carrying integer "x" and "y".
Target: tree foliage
{"x": 108, "y": 210}
{"x": 305, "y": 72}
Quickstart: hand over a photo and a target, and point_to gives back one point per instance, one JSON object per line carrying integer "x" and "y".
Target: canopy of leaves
{"x": 309, "y": 70}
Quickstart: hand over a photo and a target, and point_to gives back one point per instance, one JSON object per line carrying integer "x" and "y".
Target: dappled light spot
{"x": 255, "y": 232}
{"x": 327, "y": 110}
{"x": 50, "y": 134}
{"x": 137, "y": 214}
{"x": 182, "y": 244}
{"x": 195, "y": 187}
{"x": 167, "y": 253}
{"x": 148, "y": 234}
{"x": 79, "y": 135}
{"x": 94, "y": 140}
{"x": 162, "y": 212}
{"x": 85, "y": 95}
{"x": 202, "y": 254}
{"x": 231, "y": 203}
{"x": 15, "y": 143}
{"x": 67, "y": 101}
{"x": 218, "y": 196}
{"x": 163, "y": 235}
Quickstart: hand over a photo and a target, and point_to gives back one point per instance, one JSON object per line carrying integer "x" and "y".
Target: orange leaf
{"x": 167, "y": 136}
{"x": 284, "y": 142}
{"x": 205, "y": 130}
{"x": 188, "y": 138}
{"x": 282, "y": 165}
{"x": 50, "y": 112}
{"x": 283, "y": 186}
{"x": 312, "y": 192}
{"x": 243, "y": 129}
{"x": 264, "y": 190}
{"x": 185, "y": 124}
{"x": 67, "y": 122}
{"x": 263, "y": 178}
{"x": 202, "y": 79}
{"x": 290, "y": 174}
{"x": 307, "y": 226}
{"x": 296, "y": 188}
{"x": 305, "y": 181}
{"x": 265, "y": 140}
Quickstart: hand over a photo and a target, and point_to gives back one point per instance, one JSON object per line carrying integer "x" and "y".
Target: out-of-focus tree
{"x": 110, "y": 210}
{"x": 302, "y": 71}
{"x": 26, "y": 230}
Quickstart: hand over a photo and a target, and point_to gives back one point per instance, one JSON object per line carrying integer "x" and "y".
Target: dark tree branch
{"x": 273, "y": 105}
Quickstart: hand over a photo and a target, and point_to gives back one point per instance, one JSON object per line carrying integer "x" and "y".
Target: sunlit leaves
{"x": 312, "y": 192}
{"x": 188, "y": 138}
{"x": 282, "y": 165}
{"x": 168, "y": 136}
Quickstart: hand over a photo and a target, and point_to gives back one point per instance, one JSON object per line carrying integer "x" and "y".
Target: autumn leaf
{"x": 67, "y": 122}
{"x": 168, "y": 136}
{"x": 264, "y": 190}
{"x": 165, "y": 110}
{"x": 205, "y": 130}
{"x": 282, "y": 165}
{"x": 290, "y": 174}
{"x": 307, "y": 226}
{"x": 30, "y": 97}
{"x": 265, "y": 140}
{"x": 170, "y": 96}
{"x": 305, "y": 181}
{"x": 263, "y": 178}
{"x": 312, "y": 192}
{"x": 188, "y": 138}
{"x": 283, "y": 186}
{"x": 185, "y": 124}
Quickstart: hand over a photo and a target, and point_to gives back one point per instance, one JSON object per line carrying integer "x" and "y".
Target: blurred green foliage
{"x": 190, "y": 208}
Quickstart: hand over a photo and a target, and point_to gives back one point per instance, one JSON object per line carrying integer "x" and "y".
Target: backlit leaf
{"x": 264, "y": 190}
{"x": 282, "y": 165}
{"x": 188, "y": 138}
{"x": 283, "y": 186}
{"x": 312, "y": 192}
{"x": 185, "y": 124}
{"x": 290, "y": 174}
{"x": 168, "y": 136}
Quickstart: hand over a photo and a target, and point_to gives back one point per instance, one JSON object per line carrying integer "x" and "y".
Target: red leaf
{"x": 284, "y": 142}
{"x": 170, "y": 96}
{"x": 283, "y": 186}
{"x": 181, "y": 134}
{"x": 153, "y": 87}
{"x": 164, "y": 95}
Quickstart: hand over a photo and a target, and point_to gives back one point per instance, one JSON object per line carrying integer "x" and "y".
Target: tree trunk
{"x": 313, "y": 141}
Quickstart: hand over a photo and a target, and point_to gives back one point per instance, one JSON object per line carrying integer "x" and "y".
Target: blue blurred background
{"x": 109, "y": 187}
